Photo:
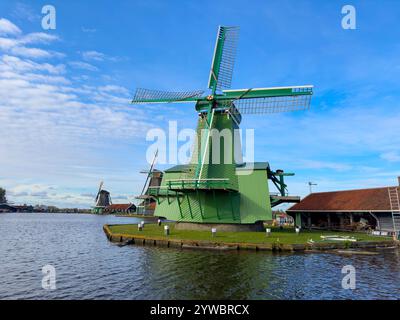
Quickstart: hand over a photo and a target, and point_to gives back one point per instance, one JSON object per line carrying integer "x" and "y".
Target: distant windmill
{"x": 103, "y": 199}
{"x": 153, "y": 179}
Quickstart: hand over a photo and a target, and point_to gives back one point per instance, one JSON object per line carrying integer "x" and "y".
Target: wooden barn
{"x": 120, "y": 208}
{"x": 375, "y": 209}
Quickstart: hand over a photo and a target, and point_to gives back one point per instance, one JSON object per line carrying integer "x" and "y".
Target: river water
{"x": 89, "y": 267}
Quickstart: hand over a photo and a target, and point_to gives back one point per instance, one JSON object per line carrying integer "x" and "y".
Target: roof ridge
{"x": 349, "y": 190}
{"x": 371, "y": 199}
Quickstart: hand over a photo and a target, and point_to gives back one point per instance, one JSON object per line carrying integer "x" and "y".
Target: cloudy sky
{"x": 66, "y": 121}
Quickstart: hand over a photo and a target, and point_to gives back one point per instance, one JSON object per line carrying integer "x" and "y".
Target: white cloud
{"x": 12, "y": 63}
{"x": 41, "y": 194}
{"x": 93, "y": 55}
{"x": 31, "y": 38}
{"x": 391, "y": 156}
{"x": 83, "y": 65}
{"x": 25, "y": 12}
{"x": 30, "y": 52}
{"x": 16, "y": 45}
{"x": 6, "y": 43}
{"x": 38, "y": 37}
{"x": 88, "y": 195}
{"x": 35, "y": 77}
{"x": 8, "y": 28}
{"x": 114, "y": 89}
{"x": 85, "y": 128}
{"x": 33, "y": 193}
{"x": 34, "y": 190}
{"x": 71, "y": 131}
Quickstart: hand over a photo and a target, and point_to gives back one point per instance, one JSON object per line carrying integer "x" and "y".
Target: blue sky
{"x": 66, "y": 122}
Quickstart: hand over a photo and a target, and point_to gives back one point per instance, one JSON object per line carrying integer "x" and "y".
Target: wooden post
{"x": 329, "y": 220}
{"x": 309, "y": 220}
{"x": 341, "y": 219}
{"x": 298, "y": 219}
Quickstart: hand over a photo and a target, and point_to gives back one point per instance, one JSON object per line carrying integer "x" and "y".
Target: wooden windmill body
{"x": 226, "y": 190}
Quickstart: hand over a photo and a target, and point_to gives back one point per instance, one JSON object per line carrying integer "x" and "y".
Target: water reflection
{"x": 89, "y": 267}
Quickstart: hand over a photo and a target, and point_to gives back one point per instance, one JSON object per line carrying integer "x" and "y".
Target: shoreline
{"x": 164, "y": 241}
{"x": 88, "y": 213}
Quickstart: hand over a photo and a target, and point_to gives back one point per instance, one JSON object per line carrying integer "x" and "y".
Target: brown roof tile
{"x": 376, "y": 199}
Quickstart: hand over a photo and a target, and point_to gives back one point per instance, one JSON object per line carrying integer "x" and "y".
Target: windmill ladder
{"x": 395, "y": 208}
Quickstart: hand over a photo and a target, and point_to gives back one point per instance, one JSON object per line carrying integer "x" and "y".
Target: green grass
{"x": 285, "y": 236}
{"x": 133, "y": 215}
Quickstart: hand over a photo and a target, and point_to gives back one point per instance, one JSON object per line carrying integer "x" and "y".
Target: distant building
{"x": 24, "y": 208}
{"x": 282, "y": 219}
{"x": 120, "y": 208}
{"x": 4, "y": 207}
{"x": 363, "y": 209}
{"x": 40, "y": 208}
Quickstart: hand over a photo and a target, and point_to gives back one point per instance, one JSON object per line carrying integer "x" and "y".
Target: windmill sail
{"x": 158, "y": 96}
{"x": 272, "y": 104}
{"x": 269, "y": 100}
{"x": 98, "y": 192}
{"x": 224, "y": 58}
{"x": 150, "y": 172}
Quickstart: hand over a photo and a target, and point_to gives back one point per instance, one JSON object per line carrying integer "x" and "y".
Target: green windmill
{"x": 216, "y": 187}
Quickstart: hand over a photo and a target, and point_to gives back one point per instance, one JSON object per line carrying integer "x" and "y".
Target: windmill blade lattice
{"x": 224, "y": 58}
{"x": 98, "y": 192}
{"x": 268, "y": 100}
{"x": 157, "y": 96}
{"x": 272, "y": 104}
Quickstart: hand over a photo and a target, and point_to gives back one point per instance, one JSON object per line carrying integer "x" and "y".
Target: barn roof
{"x": 375, "y": 199}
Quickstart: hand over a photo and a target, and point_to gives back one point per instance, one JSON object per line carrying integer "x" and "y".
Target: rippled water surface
{"x": 89, "y": 267}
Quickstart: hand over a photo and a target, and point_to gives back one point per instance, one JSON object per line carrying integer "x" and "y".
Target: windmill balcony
{"x": 180, "y": 186}
{"x": 195, "y": 184}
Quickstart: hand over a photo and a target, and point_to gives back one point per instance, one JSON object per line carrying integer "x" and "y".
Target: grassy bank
{"x": 285, "y": 236}
{"x": 134, "y": 215}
